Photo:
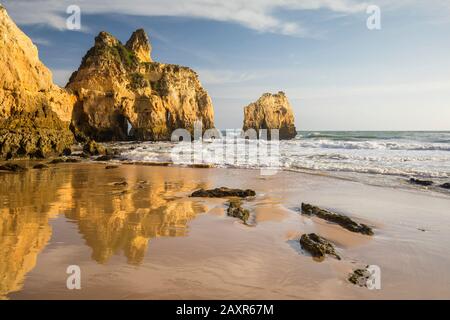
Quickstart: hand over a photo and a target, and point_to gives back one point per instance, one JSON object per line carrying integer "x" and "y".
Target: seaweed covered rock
{"x": 12, "y": 167}
{"x": 94, "y": 149}
{"x": 317, "y": 246}
{"x": 235, "y": 210}
{"x": 35, "y": 114}
{"x": 106, "y": 157}
{"x": 339, "y": 219}
{"x": 64, "y": 160}
{"x": 271, "y": 111}
{"x": 124, "y": 95}
{"x": 223, "y": 192}
{"x": 36, "y": 134}
{"x": 424, "y": 183}
{"x": 40, "y": 166}
{"x": 360, "y": 277}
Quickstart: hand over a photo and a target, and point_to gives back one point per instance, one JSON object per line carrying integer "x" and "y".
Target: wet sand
{"x": 149, "y": 240}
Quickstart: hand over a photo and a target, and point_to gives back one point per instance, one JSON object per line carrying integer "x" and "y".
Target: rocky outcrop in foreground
{"x": 317, "y": 246}
{"x": 339, "y": 219}
{"x": 271, "y": 111}
{"x": 360, "y": 277}
{"x": 223, "y": 192}
{"x": 235, "y": 210}
{"x": 424, "y": 183}
{"x": 123, "y": 95}
{"x": 34, "y": 113}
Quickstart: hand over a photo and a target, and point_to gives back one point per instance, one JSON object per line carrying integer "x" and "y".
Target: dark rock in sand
{"x": 339, "y": 219}
{"x": 360, "y": 277}
{"x": 424, "y": 183}
{"x": 57, "y": 160}
{"x": 83, "y": 155}
{"x": 72, "y": 160}
{"x": 111, "y": 167}
{"x": 223, "y": 192}
{"x": 104, "y": 158}
{"x": 94, "y": 149}
{"x": 317, "y": 246}
{"x": 201, "y": 166}
{"x": 235, "y": 210}
{"x": 64, "y": 160}
{"x": 67, "y": 152}
{"x": 12, "y": 167}
{"x": 445, "y": 185}
{"x": 122, "y": 183}
{"x": 40, "y": 166}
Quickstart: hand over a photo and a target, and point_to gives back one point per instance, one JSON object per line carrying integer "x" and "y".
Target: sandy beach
{"x": 147, "y": 239}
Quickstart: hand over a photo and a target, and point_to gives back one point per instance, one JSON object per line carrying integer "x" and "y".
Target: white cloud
{"x": 260, "y": 15}
{"x": 41, "y": 41}
{"x": 219, "y": 77}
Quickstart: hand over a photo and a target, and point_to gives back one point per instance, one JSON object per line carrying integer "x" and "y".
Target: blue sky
{"x": 338, "y": 74}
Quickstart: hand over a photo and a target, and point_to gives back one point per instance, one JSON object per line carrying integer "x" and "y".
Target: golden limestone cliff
{"x": 118, "y": 93}
{"x": 34, "y": 113}
{"x": 271, "y": 111}
{"x": 124, "y": 95}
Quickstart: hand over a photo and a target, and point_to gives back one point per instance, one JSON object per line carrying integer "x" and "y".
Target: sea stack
{"x": 35, "y": 114}
{"x": 124, "y": 95}
{"x": 271, "y": 111}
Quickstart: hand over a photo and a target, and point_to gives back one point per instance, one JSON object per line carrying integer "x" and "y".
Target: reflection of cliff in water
{"x": 27, "y": 202}
{"x": 113, "y": 219}
{"x": 123, "y": 218}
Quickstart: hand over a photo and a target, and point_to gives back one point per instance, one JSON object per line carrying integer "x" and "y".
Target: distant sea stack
{"x": 271, "y": 111}
{"x": 34, "y": 113}
{"x": 124, "y": 95}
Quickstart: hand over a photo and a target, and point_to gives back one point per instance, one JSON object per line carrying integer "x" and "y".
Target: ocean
{"x": 377, "y": 157}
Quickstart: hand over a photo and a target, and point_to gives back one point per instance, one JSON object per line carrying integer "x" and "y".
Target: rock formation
{"x": 339, "y": 219}
{"x": 223, "y": 192}
{"x": 271, "y": 111}
{"x": 123, "y": 95}
{"x": 34, "y": 113}
{"x": 317, "y": 246}
{"x": 235, "y": 210}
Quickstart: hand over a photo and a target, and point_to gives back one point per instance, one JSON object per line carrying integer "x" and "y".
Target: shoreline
{"x": 82, "y": 207}
{"x": 369, "y": 179}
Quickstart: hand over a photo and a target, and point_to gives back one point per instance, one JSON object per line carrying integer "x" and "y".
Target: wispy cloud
{"x": 41, "y": 41}
{"x": 219, "y": 77}
{"x": 260, "y": 15}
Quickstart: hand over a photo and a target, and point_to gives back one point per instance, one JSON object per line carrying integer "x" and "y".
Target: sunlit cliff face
{"x": 112, "y": 219}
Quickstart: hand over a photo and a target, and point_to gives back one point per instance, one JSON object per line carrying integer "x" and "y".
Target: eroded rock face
{"x": 446, "y": 185}
{"x": 223, "y": 192}
{"x": 235, "y": 210}
{"x": 271, "y": 111}
{"x": 425, "y": 183}
{"x": 124, "y": 95}
{"x": 360, "y": 277}
{"x": 339, "y": 219}
{"x": 317, "y": 246}
{"x": 34, "y": 113}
